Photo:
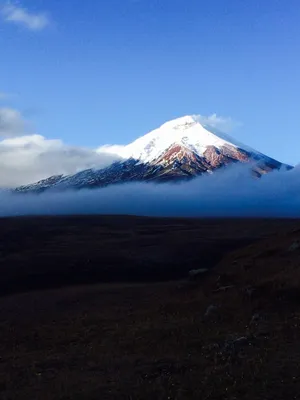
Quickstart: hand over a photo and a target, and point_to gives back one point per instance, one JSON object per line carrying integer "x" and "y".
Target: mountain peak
{"x": 181, "y": 123}
{"x": 187, "y": 131}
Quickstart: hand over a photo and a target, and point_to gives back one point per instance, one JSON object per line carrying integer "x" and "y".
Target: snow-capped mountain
{"x": 179, "y": 149}
{"x": 186, "y": 131}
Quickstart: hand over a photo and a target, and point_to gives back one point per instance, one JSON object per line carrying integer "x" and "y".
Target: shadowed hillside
{"x": 232, "y": 334}
{"x": 56, "y": 251}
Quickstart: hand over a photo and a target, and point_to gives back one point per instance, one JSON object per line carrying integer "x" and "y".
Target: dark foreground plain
{"x": 101, "y": 308}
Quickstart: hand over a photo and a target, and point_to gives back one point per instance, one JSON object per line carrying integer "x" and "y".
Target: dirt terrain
{"x": 45, "y": 252}
{"x": 231, "y": 334}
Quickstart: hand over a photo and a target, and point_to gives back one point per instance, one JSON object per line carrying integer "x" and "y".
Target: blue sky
{"x": 97, "y": 72}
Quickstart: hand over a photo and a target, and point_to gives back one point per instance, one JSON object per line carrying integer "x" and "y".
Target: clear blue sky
{"x": 107, "y": 71}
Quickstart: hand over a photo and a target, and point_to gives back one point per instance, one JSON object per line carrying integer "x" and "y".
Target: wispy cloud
{"x": 224, "y": 124}
{"x": 19, "y": 15}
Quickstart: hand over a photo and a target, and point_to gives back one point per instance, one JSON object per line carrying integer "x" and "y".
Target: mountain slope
{"x": 179, "y": 149}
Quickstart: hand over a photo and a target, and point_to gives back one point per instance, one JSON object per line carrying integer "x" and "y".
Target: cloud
{"x": 223, "y": 124}
{"x": 11, "y": 123}
{"x": 229, "y": 192}
{"x": 21, "y": 16}
{"x": 111, "y": 149}
{"x": 27, "y": 159}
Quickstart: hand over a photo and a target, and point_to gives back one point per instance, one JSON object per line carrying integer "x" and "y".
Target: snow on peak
{"x": 181, "y": 123}
{"x": 187, "y": 131}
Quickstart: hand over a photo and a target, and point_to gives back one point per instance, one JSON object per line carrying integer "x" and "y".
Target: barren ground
{"x": 101, "y": 308}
